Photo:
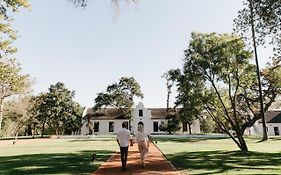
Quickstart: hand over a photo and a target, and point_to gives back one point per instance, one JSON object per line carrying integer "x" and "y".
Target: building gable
{"x": 276, "y": 118}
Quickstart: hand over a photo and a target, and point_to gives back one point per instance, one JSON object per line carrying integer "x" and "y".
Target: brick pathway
{"x": 156, "y": 164}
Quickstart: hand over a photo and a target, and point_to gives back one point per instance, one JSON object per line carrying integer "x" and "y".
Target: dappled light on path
{"x": 156, "y": 164}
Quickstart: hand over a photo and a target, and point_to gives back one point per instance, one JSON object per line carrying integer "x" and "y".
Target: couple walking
{"x": 124, "y": 138}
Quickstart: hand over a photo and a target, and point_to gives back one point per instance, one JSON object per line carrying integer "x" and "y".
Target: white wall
{"x": 257, "y": 129}
{"x": 271, "y": 126}
{"x": 104, "y": 126}
{"x": 146, "y": 119}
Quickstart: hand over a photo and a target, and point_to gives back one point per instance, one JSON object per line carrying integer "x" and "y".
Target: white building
{"x": 273, "y": 124}
{"x": 109, "y": 120}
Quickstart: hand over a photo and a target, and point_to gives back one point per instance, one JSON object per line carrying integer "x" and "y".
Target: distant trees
{"x": 15, "y": 116}
{"x": 57, "y": 110}
{"x": 120, "y": 95}
{"x": 171, "y": 124}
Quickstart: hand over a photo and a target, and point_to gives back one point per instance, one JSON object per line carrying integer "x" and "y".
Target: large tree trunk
{"x": 1, "y": 113}
{"x": 34, "y": 130}
{"x": 189, "y": 127}
{"x": 43, "y": 130}
{"x": 265, "y": 136}
{"x": 243, "y": 145}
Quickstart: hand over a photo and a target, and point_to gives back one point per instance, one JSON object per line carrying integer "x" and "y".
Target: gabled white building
{"x": 109, "y": 120}
{"x": 273, "y": 124}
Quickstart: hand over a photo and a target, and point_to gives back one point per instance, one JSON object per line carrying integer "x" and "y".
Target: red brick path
{"x": 156, "y": 164}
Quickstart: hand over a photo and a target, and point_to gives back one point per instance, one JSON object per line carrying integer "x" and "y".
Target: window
{"x": 276, "y": 131}
{"x": 111, "y": 127}
{"x": 140, "y": 113}
{"x": 155, "y": 126}
{"x": 96, "y": 126}
{"x": 184, "y": 126}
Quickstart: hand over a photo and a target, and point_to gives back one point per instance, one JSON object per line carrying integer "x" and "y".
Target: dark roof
{"x": 108, "y": 114}
{"x": 158, "y": 113}
{"x": 276, "y": 118}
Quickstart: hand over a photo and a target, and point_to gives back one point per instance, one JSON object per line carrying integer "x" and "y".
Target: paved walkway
{"x": 156, "y": 164}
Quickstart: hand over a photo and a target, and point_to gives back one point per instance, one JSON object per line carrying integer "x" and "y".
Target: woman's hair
{"x": 140, "y": 128}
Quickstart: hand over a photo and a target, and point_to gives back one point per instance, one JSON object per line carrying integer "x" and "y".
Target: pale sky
{"x": 88, "y": 49}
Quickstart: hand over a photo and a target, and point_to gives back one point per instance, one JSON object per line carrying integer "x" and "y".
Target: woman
{"x": 143, "y": 143}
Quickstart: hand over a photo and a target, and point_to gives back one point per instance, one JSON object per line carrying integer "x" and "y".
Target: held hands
{"x": 131, "y": 142}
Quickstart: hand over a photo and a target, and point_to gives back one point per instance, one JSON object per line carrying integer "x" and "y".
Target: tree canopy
{"x": 120, "y": 95}
{"x": 218, "y": 78}
{"x": 57, "y": 110}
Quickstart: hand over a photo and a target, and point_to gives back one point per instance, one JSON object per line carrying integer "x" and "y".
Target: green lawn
{"x": 221, "y": 156}
{"x": 54, "y": 156}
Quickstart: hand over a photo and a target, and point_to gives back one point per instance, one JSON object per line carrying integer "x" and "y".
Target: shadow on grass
{"x": 25, "y": 137}
{"x": 182, "y": 140}
{"x": 57, "y": 163}
{"x": 92, "y": 140}
{"x": 213, "y": 162}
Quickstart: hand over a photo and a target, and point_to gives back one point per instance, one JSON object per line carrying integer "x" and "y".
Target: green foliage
{"x": 266, "y": 22}
{"x": 16, "y": 116}
{"x": 57, "y": 109}
{"x": 119, "y": 95}
{"x": 189, "y": 87}
{"x": 230, "y": 90}
{"x": 171, "y": 124}
{"x": 12, "y": 5}
{"x": 212, "y": 79}
{"x": 12, "y": 82}
{"x": 207, "y": 125}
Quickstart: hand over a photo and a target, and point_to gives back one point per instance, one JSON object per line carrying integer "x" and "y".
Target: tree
{"x": 57, "y": 110}
{"x": 73, "y": 124}
{"x": 16, "y": 116}
{"x": 13, "y": 5}
{"x": 61, "y": 108}
{"x": 11, "y": 81}
{"x": 188, "y": 99}
{"x": 263, "y": 19}
{"x": 39, "y": 112}
{"x": 230, "y": 90}
{"x": 171, "y": 124}
{"x": 120, "y": 95}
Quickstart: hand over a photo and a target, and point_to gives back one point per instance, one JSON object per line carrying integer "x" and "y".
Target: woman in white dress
{"x": 143, "y": 143}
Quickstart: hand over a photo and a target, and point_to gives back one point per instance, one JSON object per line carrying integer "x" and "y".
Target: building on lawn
{"x": 273, "y": 124}
{"x": 109, "y": 120}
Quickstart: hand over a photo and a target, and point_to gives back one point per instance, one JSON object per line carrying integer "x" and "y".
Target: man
{"x": 123, "y": 139}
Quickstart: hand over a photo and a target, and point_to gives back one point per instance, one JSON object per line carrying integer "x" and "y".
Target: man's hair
{"x": 124, "y": 125}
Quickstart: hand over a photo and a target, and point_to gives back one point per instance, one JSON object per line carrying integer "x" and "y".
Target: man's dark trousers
{"x": 124, "y": 155}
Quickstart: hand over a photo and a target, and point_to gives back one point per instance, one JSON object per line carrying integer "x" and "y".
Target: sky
{"x": 93, "y": 47}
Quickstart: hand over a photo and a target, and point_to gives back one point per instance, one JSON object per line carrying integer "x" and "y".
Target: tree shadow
{"x": 92, "y": 140}
{"x": 53, "y": 163}
{"x": 212, "y": 162}
{"x": 182, "y": 140}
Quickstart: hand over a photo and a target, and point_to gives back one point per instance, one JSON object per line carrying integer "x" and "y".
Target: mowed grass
{"x": 221, "y": 156}
{"x": 54, "y": 156}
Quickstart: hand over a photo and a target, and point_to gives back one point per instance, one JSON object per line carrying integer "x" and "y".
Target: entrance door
{"x": 276, "y": 131}
{"x": 184, "y": 126}
{"x": 155, "y": 126}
